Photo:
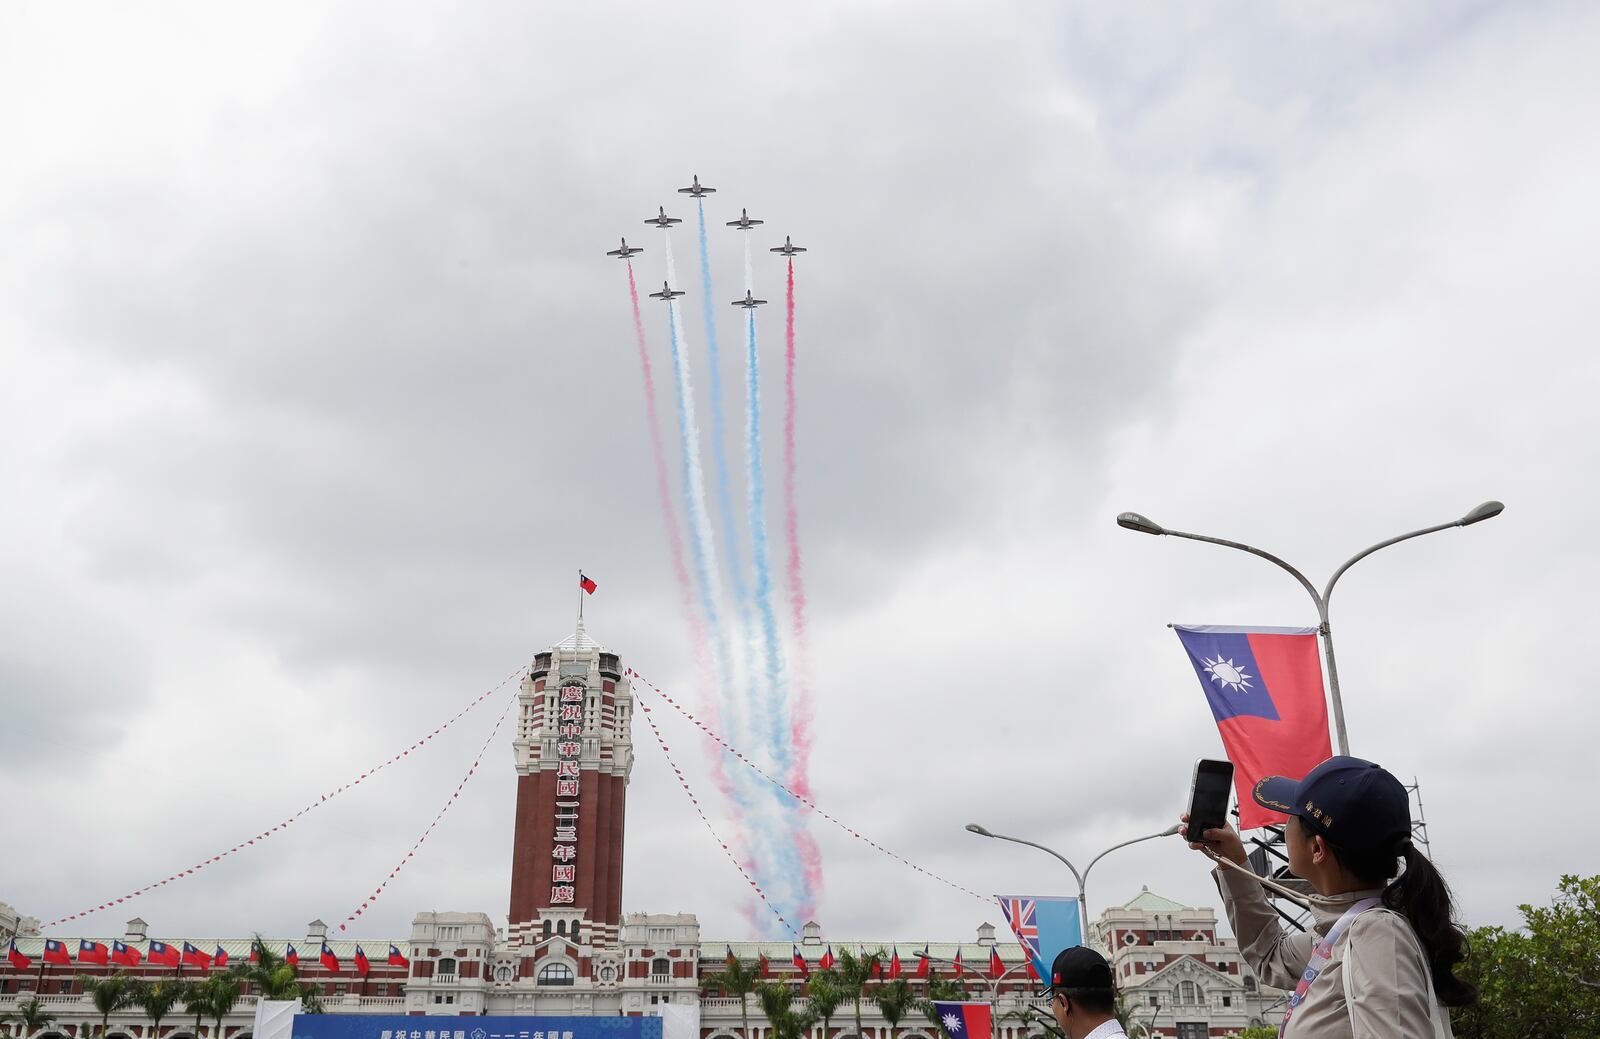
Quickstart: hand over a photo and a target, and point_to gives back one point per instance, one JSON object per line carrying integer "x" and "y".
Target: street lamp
{"x": 1083, "y": 901}
{"x": 1145, "y": 525}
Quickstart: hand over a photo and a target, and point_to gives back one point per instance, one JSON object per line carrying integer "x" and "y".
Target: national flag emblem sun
{"x": 1023, "y": 916}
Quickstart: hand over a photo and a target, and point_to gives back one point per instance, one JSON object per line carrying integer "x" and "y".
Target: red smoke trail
{"x": 800, "y": 720}
{"x": 697, "y": 628}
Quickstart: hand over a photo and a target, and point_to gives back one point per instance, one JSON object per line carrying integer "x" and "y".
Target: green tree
{"x": 895, "y": 999}
{"x": 851, "y": 975}
{"x": 1541, "y": 981}
{"x": 109, "y": 994}
{"x": 824, "y": 996}
{"x": 738, "y": 979}
{"x": 777, "y": 1004}
{"x": 942, "y": 990}
{"x": 158, "y": 998}
{"x": 30, "y": 1015}
{"x": 1257, "y": 1032}
{"x": 276, "y": 978}
{"x": 214, "y": 997}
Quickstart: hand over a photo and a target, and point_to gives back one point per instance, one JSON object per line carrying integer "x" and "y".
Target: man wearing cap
{"x": 1083, "y": 995}
{"x": 1378, "y": 960}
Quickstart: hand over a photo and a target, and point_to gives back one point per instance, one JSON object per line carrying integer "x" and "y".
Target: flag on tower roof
{"x": 397, "y": 958}
{"x": 965, "y": 1020}
{"x": 1264, "y": 686}
{"x": 586, "y": 584}
{"x": 124, "y": 955}
{"x": 363, "y": 965}
{"x": 16, "y": 959}
{"x": 92, "y": 952}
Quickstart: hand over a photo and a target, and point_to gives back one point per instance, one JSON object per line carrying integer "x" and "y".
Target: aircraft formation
{"x": 664, "y": 222}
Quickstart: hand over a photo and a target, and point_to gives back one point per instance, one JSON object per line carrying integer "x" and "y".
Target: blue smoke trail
{"x": 719, "y": 456}
{"x": 780, "y": 855}
{"x": 778, "y": 736}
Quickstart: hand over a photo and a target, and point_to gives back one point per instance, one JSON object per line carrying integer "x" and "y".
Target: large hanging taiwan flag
{"x": 1264, "y": 686}
{"x": 966, "y": 1020}
{"x": 1043, "y": 926}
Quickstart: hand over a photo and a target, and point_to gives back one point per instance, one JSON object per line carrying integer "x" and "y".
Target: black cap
{"x": 1079, "y": 969}
{"x": 1354, "y": 804}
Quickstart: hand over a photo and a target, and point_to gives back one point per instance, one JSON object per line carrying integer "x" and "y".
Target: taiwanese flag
{"x": 220, "y": 957}
{"x": 55, "y": 952}
{"x": 255, "y": 952}
{"x": 397, "y": 959}
{"x": 194, "y": 957}
{"x": 894, "y": 964}
{"x": 923, "y": 964}
{"x": 996, "y": 968}
{"x": 291, "y": 957}
{"x": 1265, "y": 690}
{"x": 328, "y": 960}
{"x": 586, "y": 584}
{"x": 799, "y": 961}
{"x": 363, "y": 966}
{"x": 762, "y": 966}
{"x": 16, "y": 959}
{"x": 826, "y": 963}
{"x": 92, "y": 952}
{"x": 161, "y": 952}
{"x": 124, "y": 955}
{"x": 965, "y": 1020}
{"x": 957, "y": 962}
{"x": 876, "y": 962}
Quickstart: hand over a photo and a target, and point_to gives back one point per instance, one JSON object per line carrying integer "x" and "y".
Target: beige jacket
{"x": 1388, "y": 980}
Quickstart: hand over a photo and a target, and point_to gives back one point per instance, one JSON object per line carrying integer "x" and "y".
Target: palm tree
{"x": 275, "y": 978}
{"x": 852, "y": 975}
{"x": 777, "y": 1003}
{"x": 30, "y": 1015}
{"x": 825, "y": 996}
{"x": 214, "y": 997}
{"x": 108, "y": 994}
{"x": 895, "y": 998}
{"x": 740, "y": 980}
{"x": 158, "y": 998}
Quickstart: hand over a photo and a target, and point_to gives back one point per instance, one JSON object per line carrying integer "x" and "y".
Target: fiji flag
{"x": 1044, "y": 926}
{"x": 1265, "y": 690}
{"x": 965, "y": 1020}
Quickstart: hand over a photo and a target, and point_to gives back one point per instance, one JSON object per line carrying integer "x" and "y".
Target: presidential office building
{"x": 567, "y": 948}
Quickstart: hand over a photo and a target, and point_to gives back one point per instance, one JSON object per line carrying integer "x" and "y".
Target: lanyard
{"x": 1321, "y": 956}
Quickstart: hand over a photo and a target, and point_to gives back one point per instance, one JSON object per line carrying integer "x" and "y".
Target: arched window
{"x": 555, "y": 974}
{"x": 573, "y": 933}
{"x": 547, "y": 928}
{"x": 561, "y": 927}
{"x": 1186, "y": 992}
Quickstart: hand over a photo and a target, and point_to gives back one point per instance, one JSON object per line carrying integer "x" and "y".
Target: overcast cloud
{"x": 318, "y": 388}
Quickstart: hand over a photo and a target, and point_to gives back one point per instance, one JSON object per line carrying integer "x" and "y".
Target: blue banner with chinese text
{"x": 362, "y": 1026}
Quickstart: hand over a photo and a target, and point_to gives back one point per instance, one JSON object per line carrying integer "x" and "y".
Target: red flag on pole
{"x": 586, "y": 584}
{"x": 894, "y": 964}
{"x": 996, "y": 968}
{"x": 923, "y": 964}
{"x": 16, "y": 959}
{"x": 826, "y": 963}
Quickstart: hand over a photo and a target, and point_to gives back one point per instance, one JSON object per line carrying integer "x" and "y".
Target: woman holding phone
{"x": 1379, "y": 961}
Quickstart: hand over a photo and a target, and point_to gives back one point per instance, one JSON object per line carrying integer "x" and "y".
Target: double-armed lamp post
{"x": 1083, "y": 904}
{"x": 1144, "y": 525}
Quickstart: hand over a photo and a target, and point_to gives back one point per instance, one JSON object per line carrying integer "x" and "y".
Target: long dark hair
{"x": 1419, "y": 894}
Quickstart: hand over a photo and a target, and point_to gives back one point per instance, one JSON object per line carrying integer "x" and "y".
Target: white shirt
{"x": 1109, "y": 1030}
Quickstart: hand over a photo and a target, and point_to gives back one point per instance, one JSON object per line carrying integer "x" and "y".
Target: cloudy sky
{"x": 318, "y": 388}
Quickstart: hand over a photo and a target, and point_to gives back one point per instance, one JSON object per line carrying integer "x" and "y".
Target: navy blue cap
{"x": 1355, "y": 804}
{"x": 1080, "y": 969}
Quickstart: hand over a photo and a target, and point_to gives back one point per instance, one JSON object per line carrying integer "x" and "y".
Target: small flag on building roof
{"x": 397, "y": 958}
{"x": 16, "y": 959}
{"x": 826, "y": 963}
{"x": 363, "y": 965}
{"x": 328, "y": 960}
{"x": 194, "y": 957}
{"x": 161, "y": 952}
{"x": 290, "y": 956}
{"x": 92, "y": 952}
{"x": 55, "y": 952}
{"x": 799, "y": 961}
{"x": 586, "y": 584}
{"x": 996, "y": 968}
{"x": 220, "y": 957}
{"x": 894, "y": 964}
{"x": 923, "y": 963}
{"x": 124, "y": 955}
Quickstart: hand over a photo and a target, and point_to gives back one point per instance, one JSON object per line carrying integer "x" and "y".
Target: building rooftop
{"x": 1151, "y": 902}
